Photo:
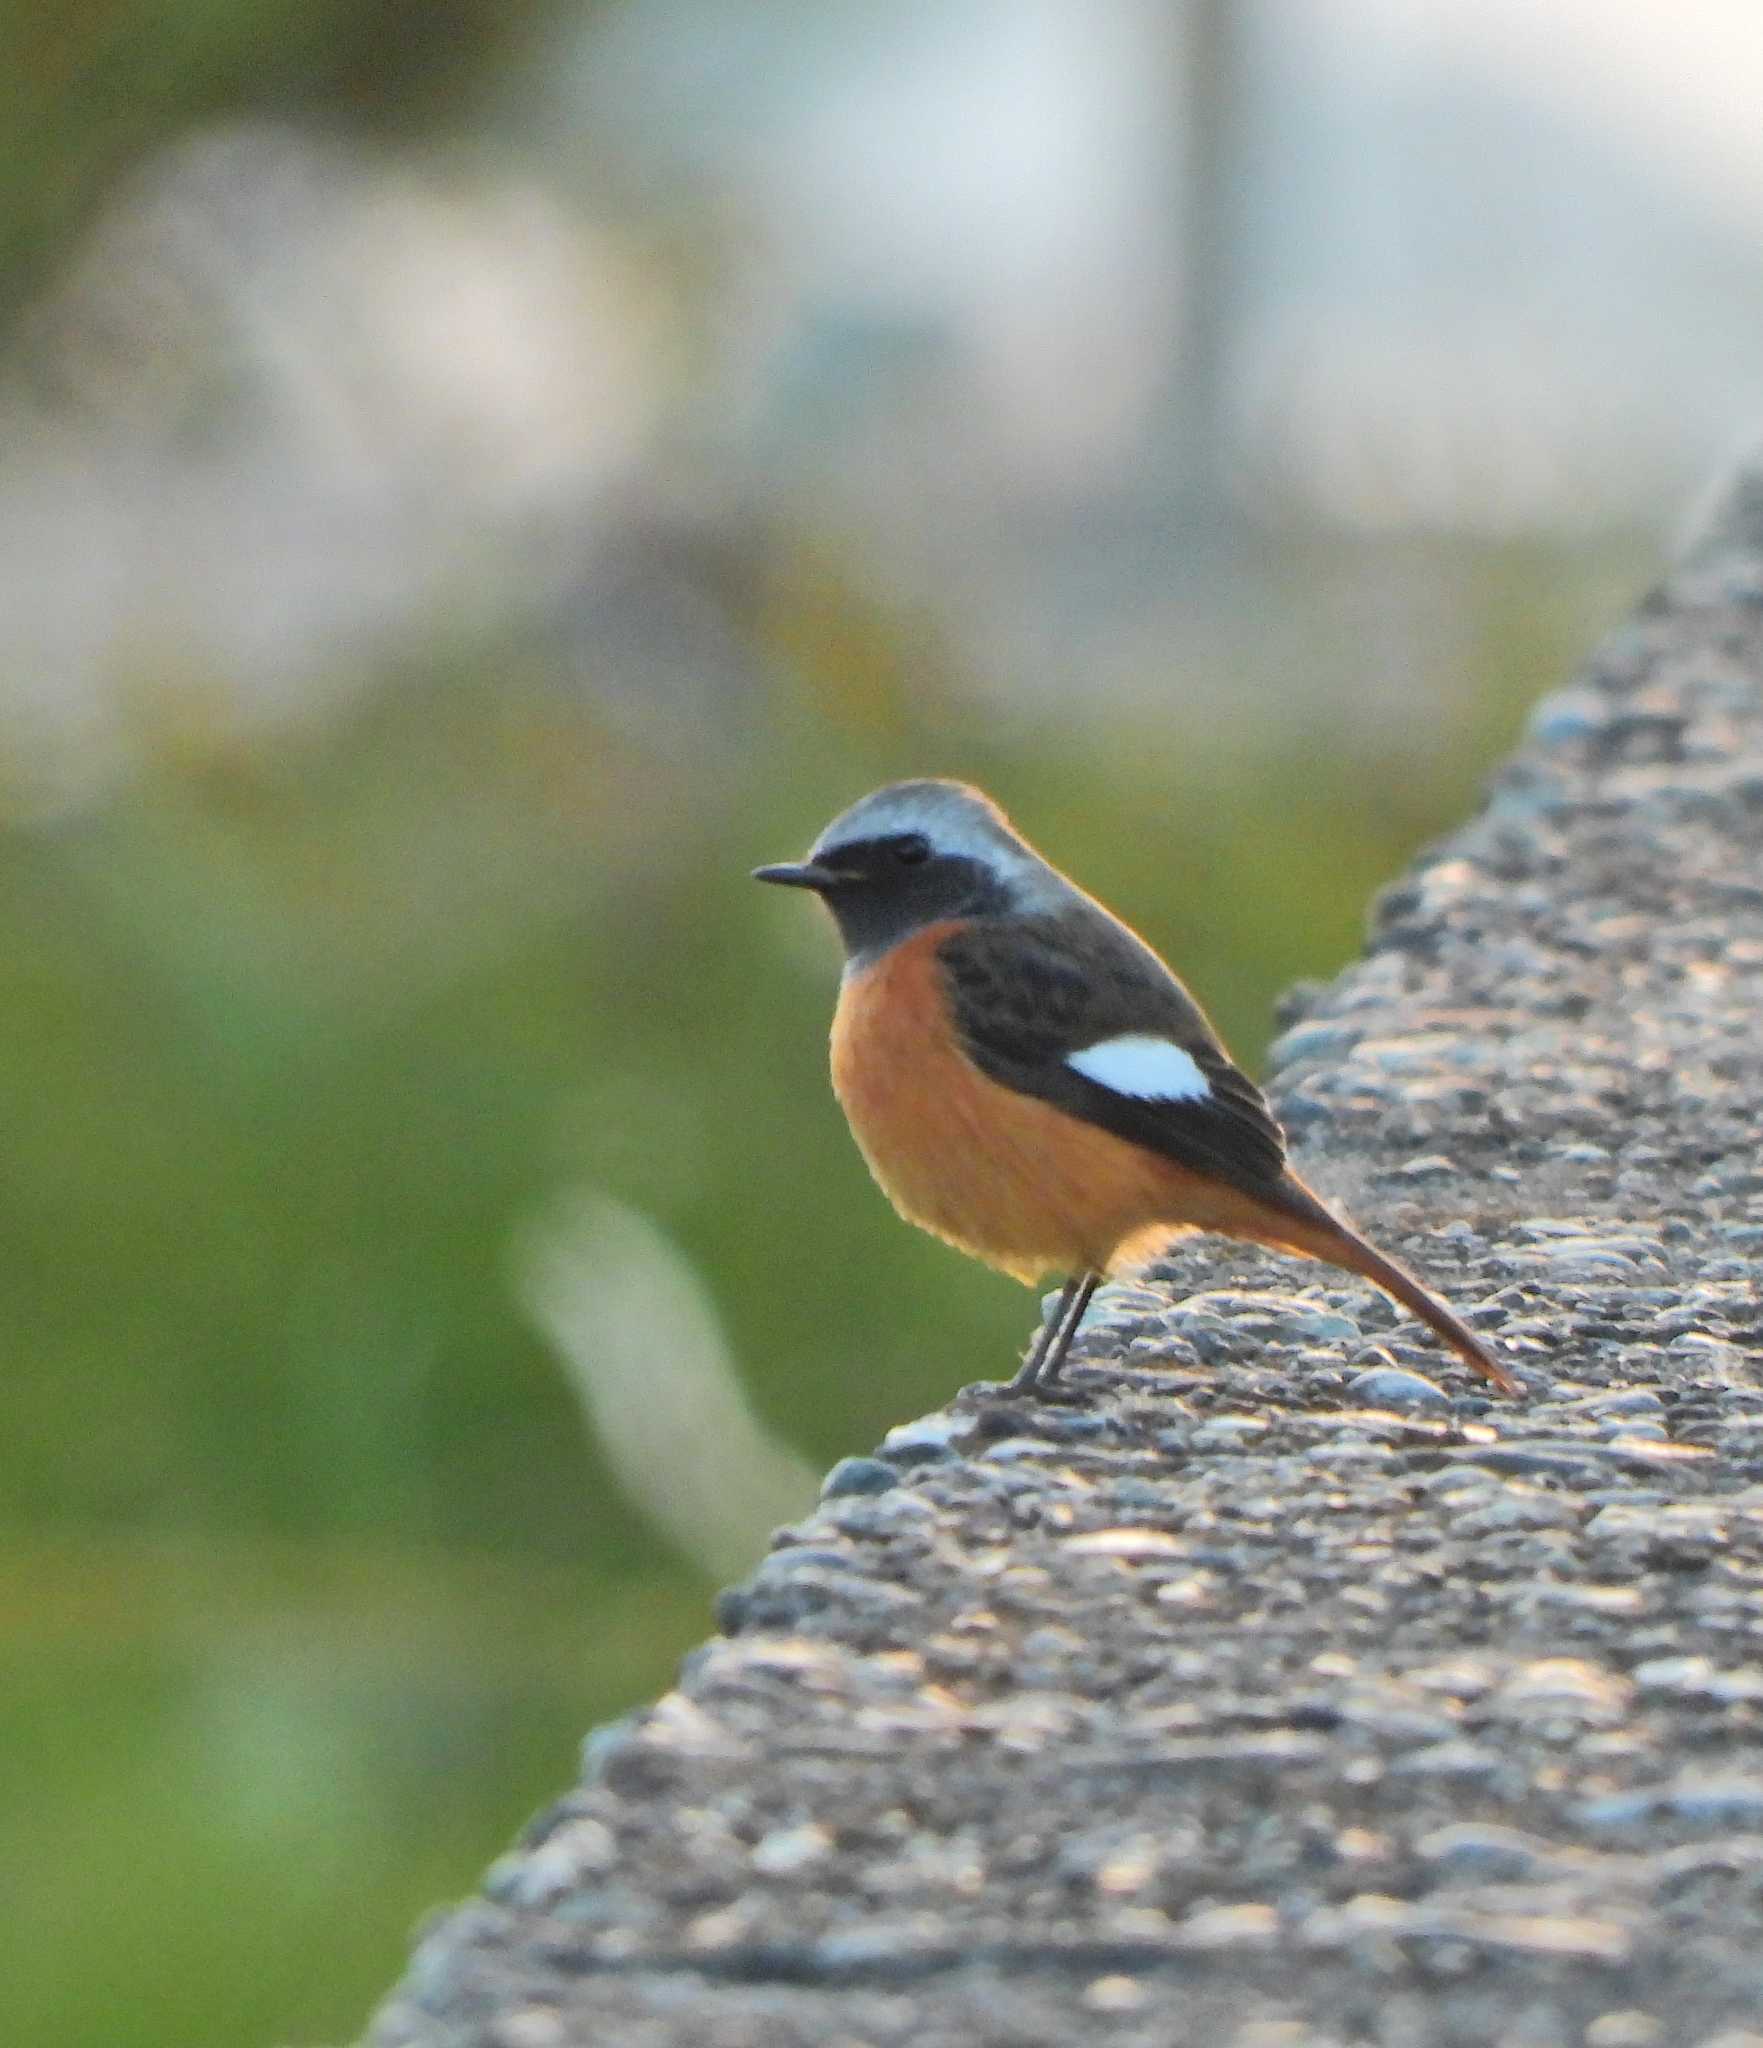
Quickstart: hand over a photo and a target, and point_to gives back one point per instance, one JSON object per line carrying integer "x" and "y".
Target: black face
{"x": 883, "y": 890}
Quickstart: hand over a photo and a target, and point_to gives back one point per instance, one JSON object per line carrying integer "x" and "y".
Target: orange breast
{"x": 1000, "y": 1174}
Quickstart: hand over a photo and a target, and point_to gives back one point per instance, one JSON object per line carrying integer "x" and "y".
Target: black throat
{"x": 877, "y": 903}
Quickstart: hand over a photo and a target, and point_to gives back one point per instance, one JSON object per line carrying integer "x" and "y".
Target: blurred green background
{"x": 463, "y": 507}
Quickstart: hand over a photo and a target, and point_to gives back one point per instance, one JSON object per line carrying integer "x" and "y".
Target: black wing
{"x": 1027, "y": 992}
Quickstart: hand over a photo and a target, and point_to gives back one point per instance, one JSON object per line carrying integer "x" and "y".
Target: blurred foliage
{"x": 88, "y": 87}
{"x": 311, "y": 1579}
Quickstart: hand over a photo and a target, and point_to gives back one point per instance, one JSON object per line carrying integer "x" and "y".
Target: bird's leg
{"x": 1071, "y": 1313}
{"x": 1048, "y": 1357}
{"x": 1025, "y": 1380}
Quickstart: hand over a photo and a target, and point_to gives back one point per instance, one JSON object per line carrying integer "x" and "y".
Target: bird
{"x": 1028, "y": 1080}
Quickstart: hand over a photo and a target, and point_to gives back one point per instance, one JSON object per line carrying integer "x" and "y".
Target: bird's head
{"x": 919, "y": 853}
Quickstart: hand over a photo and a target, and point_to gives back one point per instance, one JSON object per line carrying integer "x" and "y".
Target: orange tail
{"x": 1307, "y": 1226}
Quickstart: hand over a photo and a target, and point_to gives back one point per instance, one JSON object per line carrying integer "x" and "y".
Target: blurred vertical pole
{"x": 1206, "y": 82}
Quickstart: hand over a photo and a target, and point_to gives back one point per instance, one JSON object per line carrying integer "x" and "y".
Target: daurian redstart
{"x": 1029, "y": 1081}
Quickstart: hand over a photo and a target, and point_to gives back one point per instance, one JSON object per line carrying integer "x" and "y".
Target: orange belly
{"x": 1002, "y": 1175}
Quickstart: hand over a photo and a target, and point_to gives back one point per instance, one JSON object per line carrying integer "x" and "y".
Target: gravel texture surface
{"x": 1291, "y": 1692}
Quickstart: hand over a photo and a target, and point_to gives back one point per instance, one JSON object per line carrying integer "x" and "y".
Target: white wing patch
{"x": 1150, "y": 1069}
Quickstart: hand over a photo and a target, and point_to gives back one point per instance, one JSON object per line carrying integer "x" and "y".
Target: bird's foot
{"x": 1055, "y": 1393}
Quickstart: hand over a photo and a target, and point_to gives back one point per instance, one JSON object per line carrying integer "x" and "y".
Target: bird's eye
{"x": 911, "y": 849}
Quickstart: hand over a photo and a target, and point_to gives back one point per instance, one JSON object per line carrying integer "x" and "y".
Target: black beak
{"x": 800, "y": 875}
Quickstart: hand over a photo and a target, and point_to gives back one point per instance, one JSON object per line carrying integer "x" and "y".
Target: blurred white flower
{"x": 636, "y": 1333}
